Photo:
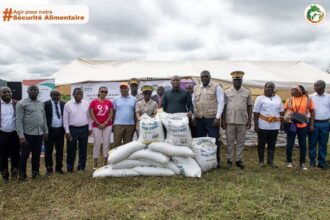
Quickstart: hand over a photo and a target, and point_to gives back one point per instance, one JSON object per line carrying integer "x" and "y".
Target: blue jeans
{"x": 291, "y": 136}
{"x": 319, "y": 136}
{"x": 204, "y": 127}
{"x": 79, "y": 134}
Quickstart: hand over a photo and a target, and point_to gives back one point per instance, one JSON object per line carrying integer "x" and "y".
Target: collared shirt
{"x": 157, "y": 98}
{"x": 138, "y": 97}
{"x": 125, "y": 110}
{"x": 160, "y": 101}
{"x": 56, "y": 122}
{"x": 268, "y": 107}
{"x": 220, "y": 98}
{"x": 146, "y": 107}
{"x": 76, "y": 114}
{"x": 177, "y": 101}
{"x": 236, "y": 105}
{"x": 30, "y": 118}
{"x": 8, "y": 118}
{"x": 321, "y": 106}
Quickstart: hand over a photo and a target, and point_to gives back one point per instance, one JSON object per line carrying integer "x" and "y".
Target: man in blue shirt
{"x": 124, "y": 116}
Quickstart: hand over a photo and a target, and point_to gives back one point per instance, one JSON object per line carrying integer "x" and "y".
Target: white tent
{"x": 283, "y": 73}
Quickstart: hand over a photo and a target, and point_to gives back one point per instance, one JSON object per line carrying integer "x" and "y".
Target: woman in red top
{"x": 299, "y": 102}
{"x": 101, "y": 111}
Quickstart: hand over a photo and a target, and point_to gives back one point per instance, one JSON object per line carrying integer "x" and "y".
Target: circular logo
{"x": 315, "y": 13}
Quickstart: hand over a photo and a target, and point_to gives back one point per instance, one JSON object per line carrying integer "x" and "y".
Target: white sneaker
{"x": 303, "y": 166}
{"x": 289, "y": 165}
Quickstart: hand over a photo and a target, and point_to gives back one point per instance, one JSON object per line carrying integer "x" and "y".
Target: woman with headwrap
{"x": 297, "y": 108}
{"x": 268, "y": 117}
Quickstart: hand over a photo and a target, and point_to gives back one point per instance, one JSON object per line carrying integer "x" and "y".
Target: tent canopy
{"x": 283, "y": 73}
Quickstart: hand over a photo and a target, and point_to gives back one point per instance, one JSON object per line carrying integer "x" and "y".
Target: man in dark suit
{"x": 159, "y": 96}
{"x": 193, "y": 129}
{"x": 54, "y": 115}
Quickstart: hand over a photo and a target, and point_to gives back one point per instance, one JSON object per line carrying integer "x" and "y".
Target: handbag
{"x": 295, "y": 116}
{"x": 298, "y": 118}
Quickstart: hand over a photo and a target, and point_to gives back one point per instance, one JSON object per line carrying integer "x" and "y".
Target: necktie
{"x": 56, "y": 109}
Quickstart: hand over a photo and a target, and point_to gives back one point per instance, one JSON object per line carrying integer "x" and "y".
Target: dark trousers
{"x": 9, "y": 147}
{"x": 79, "y": 135}
{"x": 55, "y": 136}
{"x": 204, "y": 127}
{"x": 34, "y": 145}
{"x": 268, "y": 137}
{"x": 319, "y": 137}
{"x": 193, "y": 129}
{"x": 291, "y": 136}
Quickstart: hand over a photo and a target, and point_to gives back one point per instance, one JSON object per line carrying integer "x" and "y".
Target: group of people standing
{"x": 27, "y": 124}
{"x": 302, "y": 116}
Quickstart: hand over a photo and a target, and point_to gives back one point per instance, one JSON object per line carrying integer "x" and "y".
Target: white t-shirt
{"x": 321, "y": 106}
{"x": 268, "y": 107}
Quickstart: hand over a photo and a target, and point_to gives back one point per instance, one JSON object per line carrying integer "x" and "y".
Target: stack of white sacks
{"x": 151, "y": 155}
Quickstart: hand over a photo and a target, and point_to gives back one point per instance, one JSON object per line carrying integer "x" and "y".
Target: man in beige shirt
{"x": 236, "y": 118}
{"x": 208, "y": 100}
{"x": 146, "y": 105}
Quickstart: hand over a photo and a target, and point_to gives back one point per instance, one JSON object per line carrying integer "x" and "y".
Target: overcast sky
{"x": 166, "y": 30}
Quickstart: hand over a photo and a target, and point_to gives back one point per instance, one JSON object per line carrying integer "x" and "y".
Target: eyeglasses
{"x": 104, "y": 92}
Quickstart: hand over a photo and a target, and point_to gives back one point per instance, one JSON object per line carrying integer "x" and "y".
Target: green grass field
{"x": 220, "y": 194}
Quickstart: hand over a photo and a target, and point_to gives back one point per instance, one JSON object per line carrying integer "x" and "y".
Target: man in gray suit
{"x": 159, "y": 96}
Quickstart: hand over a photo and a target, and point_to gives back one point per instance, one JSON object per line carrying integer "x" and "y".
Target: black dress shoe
{"x": 5, "y": 179}
{"x": 229, "y": 164}
{"x": 239, "y": 163}
{"x": 59, "y": 172}
{"x": 5, "y": 175}
{"x": 22, "y": 177}
{"x": 321, "y": 167}
{"x": 14, "y": 174}
{"x": 80, "y": 169}
{"x": 272, "y": 165}
{"x": 49, "y": 173}
{"x": 35, "y": 174}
